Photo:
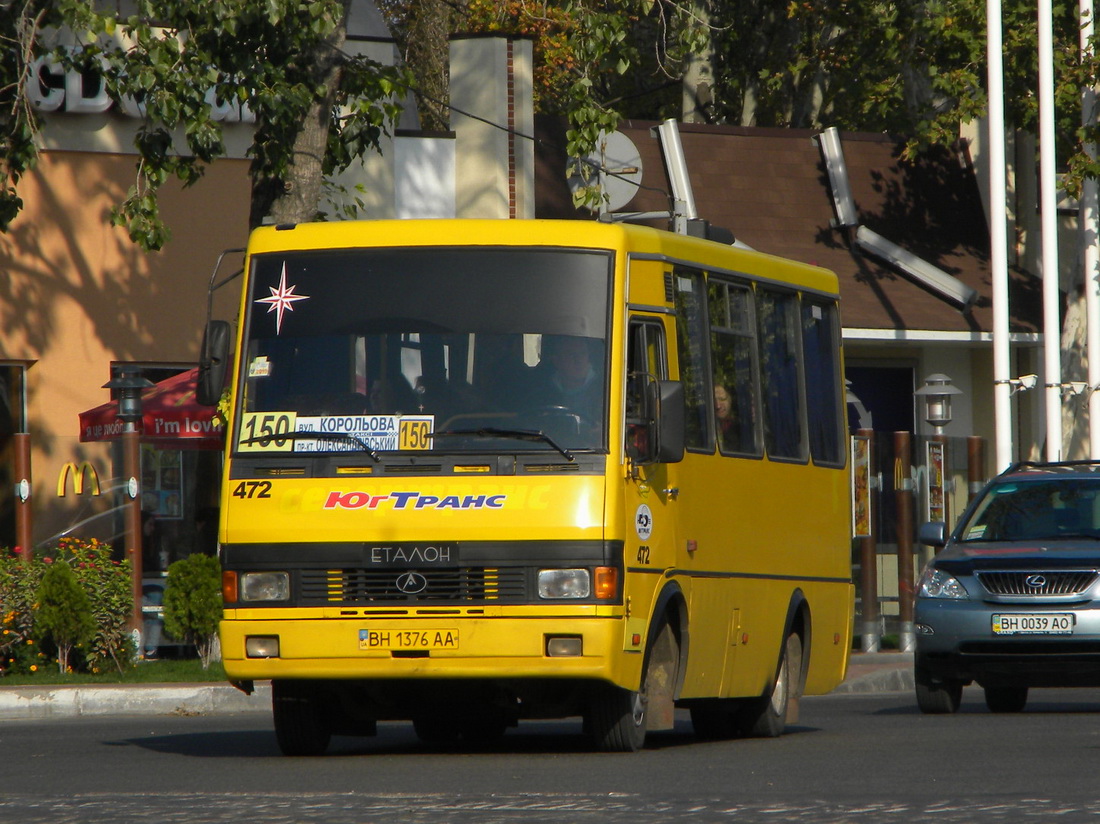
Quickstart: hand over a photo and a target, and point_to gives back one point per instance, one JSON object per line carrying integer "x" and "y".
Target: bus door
{"x": 651, "y": 519}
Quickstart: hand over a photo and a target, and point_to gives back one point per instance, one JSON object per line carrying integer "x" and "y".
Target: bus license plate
{"x": 408, "y": 639}
{"x": 1030, "y": 623}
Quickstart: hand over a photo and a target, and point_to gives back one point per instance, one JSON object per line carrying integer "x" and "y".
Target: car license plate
{"x": 1032, "y": 623}
{"x": 408, "y": 639}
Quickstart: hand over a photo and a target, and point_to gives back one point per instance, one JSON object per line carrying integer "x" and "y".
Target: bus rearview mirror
{"x": 213, "y": 361}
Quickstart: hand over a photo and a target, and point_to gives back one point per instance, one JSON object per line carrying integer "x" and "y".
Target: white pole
{"x": 1052, "y": 328}
{"x": 1090, "y": 244}
{"x": 998, "y": 238}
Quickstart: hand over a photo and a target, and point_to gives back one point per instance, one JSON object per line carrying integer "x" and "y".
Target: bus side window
{"x": 735, "y": 368}
{"x": 645, "y": 363}
{"x": 780, "y": 374}
{"x": 821, "y": 351}
{"x": 692, "y": 359}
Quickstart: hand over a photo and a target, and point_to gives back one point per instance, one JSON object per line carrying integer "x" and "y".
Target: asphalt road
{"x": 851, "y": 758}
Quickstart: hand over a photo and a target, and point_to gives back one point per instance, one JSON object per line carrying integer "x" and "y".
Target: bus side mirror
{"x": 670, "y": 413}
{"x": 213, "y": 362}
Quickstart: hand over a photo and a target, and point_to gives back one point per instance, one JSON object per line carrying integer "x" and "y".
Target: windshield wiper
{"x": 345, "y": 437}
{"x": 519, "y": 434}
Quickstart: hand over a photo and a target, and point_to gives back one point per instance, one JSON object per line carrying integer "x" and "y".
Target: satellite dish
{"x": 615, "y": 167}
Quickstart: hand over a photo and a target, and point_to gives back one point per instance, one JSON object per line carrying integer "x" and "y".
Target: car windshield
{"x": 1036, "y": 509}
{"x": 456, "y": 349}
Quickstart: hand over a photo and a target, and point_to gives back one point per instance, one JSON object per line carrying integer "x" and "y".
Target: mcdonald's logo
{"x": 79, "y": 473}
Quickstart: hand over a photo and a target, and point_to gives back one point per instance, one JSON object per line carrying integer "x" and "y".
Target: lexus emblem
{"x": 411, "y": 583}
{"x": 1035, "y": 581}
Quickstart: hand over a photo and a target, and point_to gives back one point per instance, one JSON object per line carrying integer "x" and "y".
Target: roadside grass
{"x": 172, "y": 671}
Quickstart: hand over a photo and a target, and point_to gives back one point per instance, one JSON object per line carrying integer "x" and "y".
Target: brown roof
{"x": 770, "y": 188}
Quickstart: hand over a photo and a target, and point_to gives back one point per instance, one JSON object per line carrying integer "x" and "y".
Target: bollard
{"x": 871, "y": 636}
{"x": 903, "y": 491}
{"x": 24, "y": 522}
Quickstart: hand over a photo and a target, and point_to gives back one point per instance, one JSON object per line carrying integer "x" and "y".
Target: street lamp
{"x": 130, "y": 384}
{"x": 937, "y": 392}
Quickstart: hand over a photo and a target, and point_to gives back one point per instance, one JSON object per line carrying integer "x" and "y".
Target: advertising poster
{"x": 937, "y": 505}
{"x": 861, "y": 486}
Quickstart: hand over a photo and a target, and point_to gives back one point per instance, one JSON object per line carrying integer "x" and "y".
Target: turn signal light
{"x": 607, "y": 582}
{"x": 229, "y": 587}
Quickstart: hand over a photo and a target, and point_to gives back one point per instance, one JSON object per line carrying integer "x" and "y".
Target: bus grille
{"x": 1038, "y": 583}
{"x": 463, "y": 585}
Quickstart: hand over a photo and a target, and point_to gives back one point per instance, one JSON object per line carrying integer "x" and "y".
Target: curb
{"x": 876, "y": 672}
{"x": 32, "y": 702}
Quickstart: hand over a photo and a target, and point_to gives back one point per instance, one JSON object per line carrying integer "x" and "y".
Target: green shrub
{"x": 105, "y": 582}
{"x": 64, "y": 612}
{"x": 19, "y": 581}
{"x": 193, "y": 603}
{"x": 108, "y": 583}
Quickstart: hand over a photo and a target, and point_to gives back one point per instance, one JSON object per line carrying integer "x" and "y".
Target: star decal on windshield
{"x": 281, "y": 300}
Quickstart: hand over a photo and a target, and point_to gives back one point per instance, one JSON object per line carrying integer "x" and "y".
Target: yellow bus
{"x": 485, "y": 471}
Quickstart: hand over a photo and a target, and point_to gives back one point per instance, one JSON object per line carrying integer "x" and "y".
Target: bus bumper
{"x": 425, "y": 648}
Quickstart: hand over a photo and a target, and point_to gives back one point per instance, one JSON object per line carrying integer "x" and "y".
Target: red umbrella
{"x": 171, "y": 418}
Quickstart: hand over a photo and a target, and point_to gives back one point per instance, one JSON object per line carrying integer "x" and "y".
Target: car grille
{"x": 1038, "y": 583}
{"x": 461, "y": 585}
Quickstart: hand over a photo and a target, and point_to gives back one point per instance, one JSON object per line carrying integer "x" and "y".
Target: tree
{"x": 64, "y": 612}
{"x": 913, "y": 69}
{"x": 193, "y": 603}
{"x": 316, "y": 106}
{"x": 20, "y": 24}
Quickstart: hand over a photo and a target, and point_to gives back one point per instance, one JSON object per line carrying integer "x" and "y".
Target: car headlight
{"x": 935, "y": 583}
{"x": 265, "y": 586}
{"x": 564, "y": 583}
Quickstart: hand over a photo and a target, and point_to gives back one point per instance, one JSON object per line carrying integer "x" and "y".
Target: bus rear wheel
{"x": 766, "y": 716}
{"x": 300, "y": 725}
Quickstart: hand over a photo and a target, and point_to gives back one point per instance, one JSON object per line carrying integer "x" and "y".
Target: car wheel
{"x": 937, "y": 697}
{"x": 1006, "y": 699}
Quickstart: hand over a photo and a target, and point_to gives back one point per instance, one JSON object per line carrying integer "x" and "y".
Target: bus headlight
{"x": 564, "y": 583}
{"x": 265, "y": 586}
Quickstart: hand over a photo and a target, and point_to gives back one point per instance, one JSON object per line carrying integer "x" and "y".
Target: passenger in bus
{"x": 723, "y": 414}
{"x": 733, "y": 425}
{"x": 568, "y": 377}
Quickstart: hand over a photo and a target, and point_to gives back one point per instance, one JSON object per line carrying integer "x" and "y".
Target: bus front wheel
{"x": 618, "y": 719}
{"x": 300, "y": 725}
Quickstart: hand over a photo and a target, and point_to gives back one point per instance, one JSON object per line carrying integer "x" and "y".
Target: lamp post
{"x": 937, "y": 392}
{"x": 130, "y": 384}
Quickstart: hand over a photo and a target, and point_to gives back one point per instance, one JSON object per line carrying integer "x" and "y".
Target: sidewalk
{"x": 867, "y": 673}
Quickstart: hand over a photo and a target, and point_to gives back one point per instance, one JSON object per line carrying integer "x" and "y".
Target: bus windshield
{"x": 498, "y": 349}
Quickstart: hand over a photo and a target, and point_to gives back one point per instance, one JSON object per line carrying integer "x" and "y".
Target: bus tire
{"x": 300, "y": 726}
{"x": 618, "y": 719}
{"x": 766, "y": 716}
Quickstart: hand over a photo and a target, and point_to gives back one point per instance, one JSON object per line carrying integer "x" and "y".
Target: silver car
{"x": 1012, "y": 598}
